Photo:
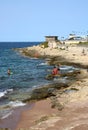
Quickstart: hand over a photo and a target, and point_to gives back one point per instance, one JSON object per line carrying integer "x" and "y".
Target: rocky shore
{"x": 74, "y": 55}
{"x": 64, "y": 106}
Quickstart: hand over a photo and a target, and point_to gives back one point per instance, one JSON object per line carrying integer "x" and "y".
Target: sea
{"x": 26, "y": 74}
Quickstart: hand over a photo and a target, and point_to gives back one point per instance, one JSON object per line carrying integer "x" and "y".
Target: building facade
{"x": 52, "y": 41}
{"x": 72, "y": 39}
{"x": 51, "y": 38}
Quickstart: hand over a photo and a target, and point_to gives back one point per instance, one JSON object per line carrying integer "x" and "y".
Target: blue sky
{"x": 32, "y": 20}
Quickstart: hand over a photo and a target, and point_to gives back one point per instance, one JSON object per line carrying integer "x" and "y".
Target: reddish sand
{"x": 41, "y": 109}
{"x": 42, "y": 117}
{"x": 74, "y": 116}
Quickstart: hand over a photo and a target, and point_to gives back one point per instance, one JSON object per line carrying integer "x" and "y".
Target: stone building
{"x": 51, "y": 38}
{"x": 52, "y": 41}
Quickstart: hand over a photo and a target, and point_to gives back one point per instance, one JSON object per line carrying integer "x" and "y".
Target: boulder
{"x": 45, "y": 91}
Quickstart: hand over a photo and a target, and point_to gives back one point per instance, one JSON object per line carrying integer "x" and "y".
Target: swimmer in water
{"x": 9, "y": 71}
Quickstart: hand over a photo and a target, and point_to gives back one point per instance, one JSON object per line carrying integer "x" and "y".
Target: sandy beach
{"x": 74, "y": 115}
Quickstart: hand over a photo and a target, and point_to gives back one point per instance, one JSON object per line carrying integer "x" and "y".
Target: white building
{"x": 75, "y": 39}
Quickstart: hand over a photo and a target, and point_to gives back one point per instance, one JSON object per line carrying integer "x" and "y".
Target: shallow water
{"x": 26, "y": 75}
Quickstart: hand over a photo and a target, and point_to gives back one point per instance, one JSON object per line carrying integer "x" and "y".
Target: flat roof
{"x": 51, "y": 36}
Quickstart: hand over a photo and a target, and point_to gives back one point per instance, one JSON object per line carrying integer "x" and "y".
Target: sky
{"x": 32, "y": 20}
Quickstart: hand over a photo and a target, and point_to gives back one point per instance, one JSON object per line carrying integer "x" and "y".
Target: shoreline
{"x": 12, "y": 120}
{"x": 73, "y": 117}
{"x": 44, "y": 112}
{"x": 47, "y": 117}
{"x": 73, "y": 55}
{"x": 75, "y": 101}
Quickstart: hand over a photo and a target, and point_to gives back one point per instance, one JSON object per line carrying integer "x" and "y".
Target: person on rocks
{"x": 55, "y": 71}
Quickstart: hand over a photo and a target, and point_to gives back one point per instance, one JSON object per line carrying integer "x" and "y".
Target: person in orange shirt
{"x": 55, "y": 71}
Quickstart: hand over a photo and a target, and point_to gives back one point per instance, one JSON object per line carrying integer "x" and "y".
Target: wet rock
{"x": 68, "y": 74}
{"x": 45, "y": 91}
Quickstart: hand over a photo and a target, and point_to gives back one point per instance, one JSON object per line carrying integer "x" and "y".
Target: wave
{"x": 67, "y": 67}
{"x": 7, "y": 109}
{"x": 3, "y": 93}
{"x": 44, "y": 63}
{"x": 16, "y": 103}
{"x": 5, "y": 115}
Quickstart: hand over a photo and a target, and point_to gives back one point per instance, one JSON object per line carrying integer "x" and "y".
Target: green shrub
{"x": 44, "y": 44}
{"x": 83, "y": 43}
